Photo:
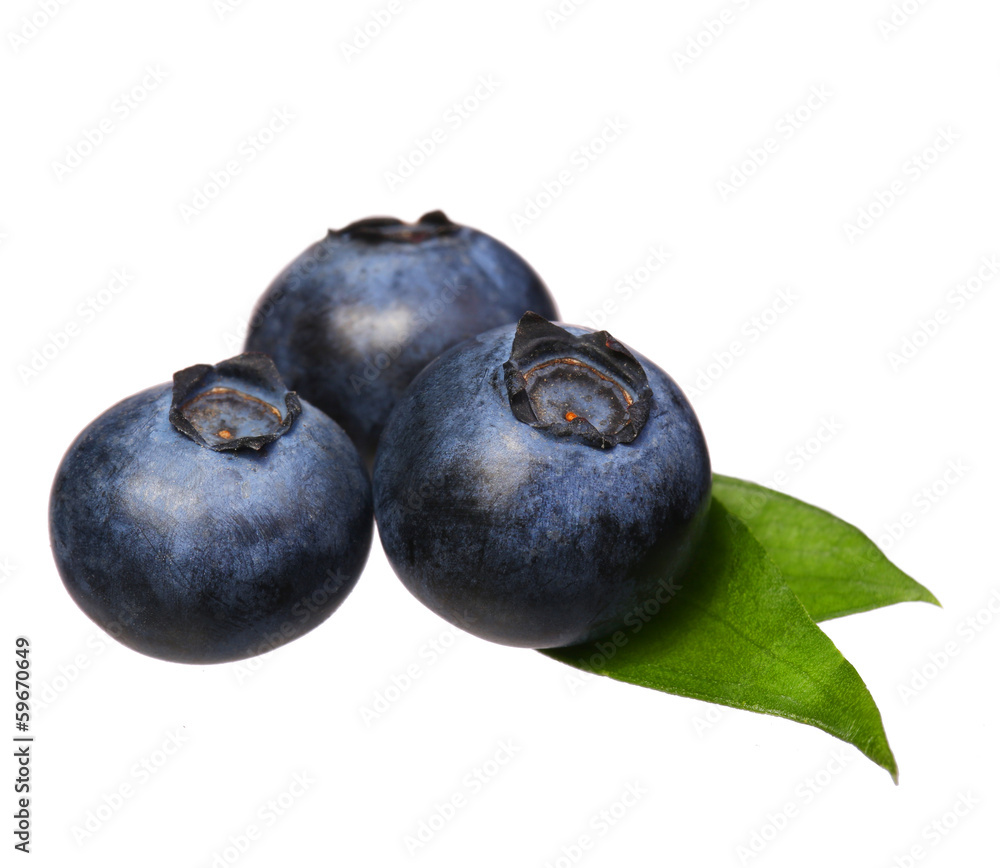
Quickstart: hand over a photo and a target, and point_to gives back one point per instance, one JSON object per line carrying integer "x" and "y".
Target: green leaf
{"x": 832, "y": 567}
{"x": 734, "y": 633}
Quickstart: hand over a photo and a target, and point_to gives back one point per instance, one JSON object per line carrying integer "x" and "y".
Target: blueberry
{"x": 211, "y": 519}
{"x": 357, "y": 315}
{"x": 539, "y": 486}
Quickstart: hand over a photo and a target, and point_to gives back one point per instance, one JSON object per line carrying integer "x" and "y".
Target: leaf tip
{"x": 888, "y": 762}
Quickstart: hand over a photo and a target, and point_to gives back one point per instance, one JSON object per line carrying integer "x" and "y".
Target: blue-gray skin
{"x": 530, "y": 535}
{"x": 357, "y": 315}
{"x": 195, "y": 555}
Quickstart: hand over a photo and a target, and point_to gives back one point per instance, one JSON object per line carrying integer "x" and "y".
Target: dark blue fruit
{"x": 541, "y": 486}
{"x": 212, "y": 519}
{"x": 357, "y": 316}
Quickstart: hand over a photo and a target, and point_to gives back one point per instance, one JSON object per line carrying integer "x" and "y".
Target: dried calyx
{"x": 586, "y": 387}
{"x": 241, "y": 403}
{"x": 378, "y": 230}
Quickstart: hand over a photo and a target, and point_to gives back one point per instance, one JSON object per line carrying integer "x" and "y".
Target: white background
{"x": 224, "y": 741}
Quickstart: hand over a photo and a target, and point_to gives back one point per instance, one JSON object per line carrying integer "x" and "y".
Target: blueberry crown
{"x": 588, "y": 387}
{"x": 234, "y": 404}
{"x": 381, "y": 230}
